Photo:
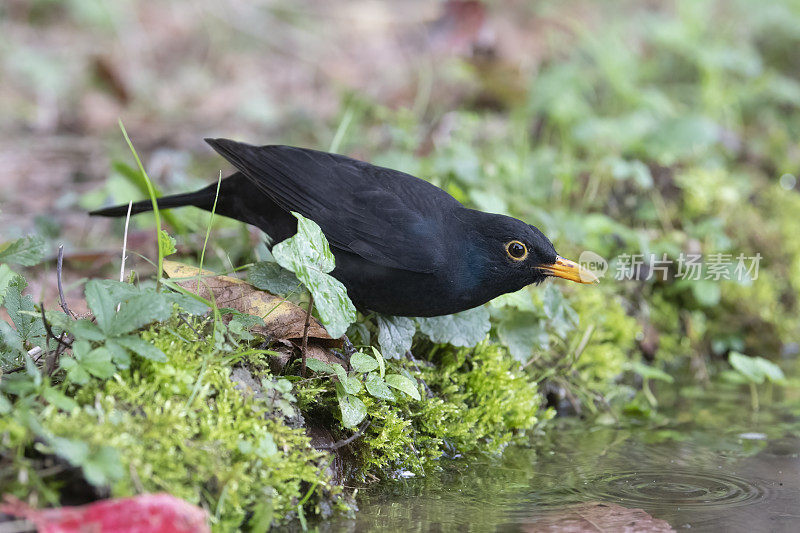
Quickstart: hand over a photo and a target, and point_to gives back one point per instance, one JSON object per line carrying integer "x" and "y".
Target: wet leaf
{"x": 378, "y": 388}
{"x": 308, "y": 255}
{"x": 363, "y": 363}
{"x": 395, "y": 334}
{"x": 403, "y": 384}
{"x": 466, "y": 328}
{"x": 352, "y": 408}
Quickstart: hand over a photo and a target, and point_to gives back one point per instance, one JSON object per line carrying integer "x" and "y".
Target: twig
{"x": 304, "y": 348}
{"x": 338, "y": 444}
{"x": 59, "y": 265}
{"x": 49, "y": 330}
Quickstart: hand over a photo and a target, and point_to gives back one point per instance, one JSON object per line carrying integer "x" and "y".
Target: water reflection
{"x": 707, "y": 463}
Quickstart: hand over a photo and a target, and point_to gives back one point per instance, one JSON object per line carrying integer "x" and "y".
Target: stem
{"x": 305, "y": 334}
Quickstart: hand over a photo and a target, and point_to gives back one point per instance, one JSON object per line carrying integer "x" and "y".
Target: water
{"x": 706, "y": 462}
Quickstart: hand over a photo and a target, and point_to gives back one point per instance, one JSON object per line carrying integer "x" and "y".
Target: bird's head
{"x": 512, "y": 254}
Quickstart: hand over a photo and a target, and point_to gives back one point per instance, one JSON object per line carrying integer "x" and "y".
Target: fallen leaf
{"x": 282, "y": 319}
{"x": 157, "y": 513}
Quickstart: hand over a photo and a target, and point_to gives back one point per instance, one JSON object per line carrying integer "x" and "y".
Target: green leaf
{"x": 142, "y": 348}
{"x": 271, "y": 277}
{"x": 746, "y": 366}
{"x": 308, "y": 255}
{"x": 403, "y": 384}
{"x": 6, "y": 277}
{"x": 60, "y": 400}
{"x": 5, "y": 405}
{"x": 139, "y": 311}
{"x": 395, "y": 334}
{"x": 381, "y": 363}
{"x": 650, "y": 372}
{"x": 466, "y": 328}
{"x": 521, "y": 333}
{"x": 22, "y": 312}
{"x": 706, "y": 292}
{"x": 377, "y": 387}
{"x": 191, "y": 305}
{"x": 352, "y": 385}
{"x": 27, "y": 251}
{"x": 74, "y": 451}
{"x": 363, "y": 363}
{"x": 352, "y": 408}
{"x": 103, "y": 467}
{"x": 9, "y": 339}
{"x": 82, "y": 329}
{"x": 339, "y": 371}
{"x": 100, "y": 303}
{"x": 86, "y": 361}
{"x": 119, "y": 354}
{"x": 320, "y": 367}
{"x": 166, "y": 244}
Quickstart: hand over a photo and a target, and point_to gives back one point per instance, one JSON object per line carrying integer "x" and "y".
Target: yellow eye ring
{"x": 516, "y": 251}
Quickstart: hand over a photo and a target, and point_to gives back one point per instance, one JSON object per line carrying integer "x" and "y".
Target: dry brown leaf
{"x": 283, "y": 320}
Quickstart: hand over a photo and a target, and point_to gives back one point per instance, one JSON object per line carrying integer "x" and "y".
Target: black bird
{"x": 402, "y": 246}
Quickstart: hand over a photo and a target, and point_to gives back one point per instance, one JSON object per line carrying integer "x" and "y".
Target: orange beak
{"x": 566, "y": 269}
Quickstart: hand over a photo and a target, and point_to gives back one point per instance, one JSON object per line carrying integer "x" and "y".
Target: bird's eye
{"x": 516, "y": 250}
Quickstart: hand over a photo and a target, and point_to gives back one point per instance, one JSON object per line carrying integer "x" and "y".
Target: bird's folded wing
{"x": 385, "y": 216}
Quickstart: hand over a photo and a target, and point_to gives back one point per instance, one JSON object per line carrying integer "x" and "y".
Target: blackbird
{"x": 402, "y": 246}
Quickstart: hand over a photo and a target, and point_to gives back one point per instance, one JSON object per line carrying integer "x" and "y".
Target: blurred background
{"x": 617, "y": 127}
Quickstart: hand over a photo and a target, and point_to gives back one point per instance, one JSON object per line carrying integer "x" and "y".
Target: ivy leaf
{"x": 466, "y": 328}
{"x": 521, "y": 332}
{"x": 395, "y": 334}
{"x": 308, "y": 255}
{"x": 363, "y": 363}
{"x": 403, "y": 384}
{"x": 352, "y": 408}
{"x": 27, "y": 251}
{"x": 377, "y": 387}
{"x": 271, "y": 277}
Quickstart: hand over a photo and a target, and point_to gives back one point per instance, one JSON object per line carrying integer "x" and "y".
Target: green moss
{"x": 482, "y": 402}
{"x": 182, "y": 427}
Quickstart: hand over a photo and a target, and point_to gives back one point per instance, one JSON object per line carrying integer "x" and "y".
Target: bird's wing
{"x": 385, "y": 216}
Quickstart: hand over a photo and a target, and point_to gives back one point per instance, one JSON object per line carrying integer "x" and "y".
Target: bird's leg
{"x": 304, "y": 348}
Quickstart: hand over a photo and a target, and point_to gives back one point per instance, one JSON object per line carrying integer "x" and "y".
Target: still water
{"x": 704, "y": 462}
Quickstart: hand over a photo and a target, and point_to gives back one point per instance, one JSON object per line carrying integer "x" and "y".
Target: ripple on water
{"x": 683, "y": 489}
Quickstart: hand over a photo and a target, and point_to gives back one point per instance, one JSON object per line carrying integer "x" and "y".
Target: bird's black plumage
{"x": 402, "y": 245}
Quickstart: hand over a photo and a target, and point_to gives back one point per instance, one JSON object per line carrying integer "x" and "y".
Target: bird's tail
{"x": 204, "y": 199}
